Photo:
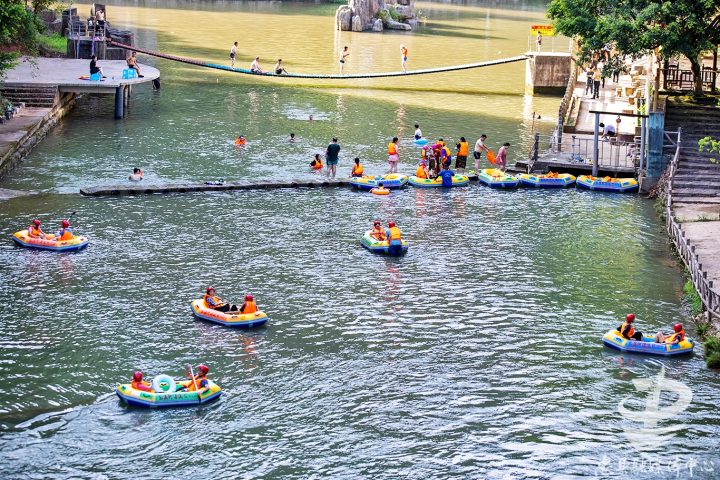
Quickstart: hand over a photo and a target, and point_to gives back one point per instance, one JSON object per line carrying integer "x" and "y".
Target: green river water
{"x": 476, "y": 355}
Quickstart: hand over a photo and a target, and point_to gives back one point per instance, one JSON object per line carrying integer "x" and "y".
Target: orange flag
{"x": 491, "y": 157}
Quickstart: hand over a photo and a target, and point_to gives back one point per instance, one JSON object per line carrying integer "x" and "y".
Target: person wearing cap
{"x": 378, "y": 232}
{"x": 393, "y": 233}
{"x": 676, "y": 337}
{"x": 34, "y": 230}
{"x": 200, "y": 379}
{"x": 138, "y": 384}
{"x": 249, "y": 305}
{"x": 216, "y": 303}
{"x": 404, "y": 53}
{"x": 627, "y": 330}
{"x": 65, "y": 233}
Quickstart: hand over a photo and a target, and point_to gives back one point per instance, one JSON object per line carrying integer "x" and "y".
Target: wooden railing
{"x": 565, "y": 103}
{"x": 710, "y": 298}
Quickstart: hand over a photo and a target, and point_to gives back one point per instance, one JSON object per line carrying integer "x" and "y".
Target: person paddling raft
{"x": 676, "y": 337}
{"x": 627, "y": 330}
{"x": 216, "y": 303}
{"x": 65, "y": 233}
{"x": 200, "y": 382}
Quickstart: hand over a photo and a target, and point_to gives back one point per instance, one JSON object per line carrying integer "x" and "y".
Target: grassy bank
{"x": 52, "y": 43}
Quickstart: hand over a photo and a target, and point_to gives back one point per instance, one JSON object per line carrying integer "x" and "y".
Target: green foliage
{"x": 713, "y": 361}
{"x": 712, "y": 352}
{"x": 707, "y": 144}
{"x": 54, "y": 42}
{"x": 691, "y": 299}
{"x": 638, "y": 27}
{"x": 18, "y": 27}
{"x": 387, "y": 15}
{"x": 702, "y": 328}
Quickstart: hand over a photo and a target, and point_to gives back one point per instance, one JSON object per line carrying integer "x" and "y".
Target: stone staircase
{"x": 697, "y": 179}
{"x": 44, "y": 97}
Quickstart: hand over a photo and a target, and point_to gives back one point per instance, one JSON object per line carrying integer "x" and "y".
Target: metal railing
{"x": 612, "y": 153}
{"x": 673, "y": 77}
{"x": 708, "y": 296}
{"x": 550, "y": 44}
{"x": 566, "y": 101}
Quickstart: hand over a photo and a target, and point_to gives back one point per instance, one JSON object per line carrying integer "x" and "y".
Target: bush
{"x": 713, "y": 361}
{"x": 54, "y": 42}
{"x": 702, "y": 328}
{"x": 691, "y": 299}
{"x": 712, "y": 346}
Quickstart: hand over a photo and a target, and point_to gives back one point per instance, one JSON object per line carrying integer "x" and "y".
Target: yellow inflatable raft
{"x": 230, "y": 319}
{"x": 75, "y": 243}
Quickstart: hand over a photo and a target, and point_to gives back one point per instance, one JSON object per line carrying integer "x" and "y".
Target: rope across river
{"x": 325, "y": 76}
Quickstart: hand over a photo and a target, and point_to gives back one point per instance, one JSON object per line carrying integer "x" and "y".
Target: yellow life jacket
{"x": 392, "y": 148}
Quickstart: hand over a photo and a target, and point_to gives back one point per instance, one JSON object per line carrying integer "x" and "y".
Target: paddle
{"x": 192, "y": 375}
{"x": 73, "y": 213}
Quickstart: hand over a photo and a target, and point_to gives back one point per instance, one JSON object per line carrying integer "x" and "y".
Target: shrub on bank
{"x": 712, "y": 352}
{"x": 691, "y": 299}
{"x": 53, "y": 43}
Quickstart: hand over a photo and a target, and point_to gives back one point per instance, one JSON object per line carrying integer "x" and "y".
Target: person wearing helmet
{"x": 65, "y": 233}
{"x": 216, "y": 303}
{"x": 34, "y": 230}
{"x": 627, "y": 330}
{"x": 676, "y": 337}
{"x": 138, "y": 384}
{"x": 378, "y": 232}
{"x": 393, "y": 233}
{"x": 249, "y": 305}
{"x": 201, "y": 380}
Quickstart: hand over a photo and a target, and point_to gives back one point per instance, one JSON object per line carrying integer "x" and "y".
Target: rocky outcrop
{"x": 373, "y": 15}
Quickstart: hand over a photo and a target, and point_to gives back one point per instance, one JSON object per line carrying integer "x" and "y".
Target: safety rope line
{"x": 326, "y": 77}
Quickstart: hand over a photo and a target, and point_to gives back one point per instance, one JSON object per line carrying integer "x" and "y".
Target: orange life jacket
{"x": 240, "y": 142}
{"x": 445, "y": 151}
{"x": 249, "y": 307}
{"x": 357, "y": 170}
{"x": 34, "y": 231}
{"x": 143, "y": 386}
{"x": 66, "y": 235}
{"x": 672, "y": 337}
{"x": 198, "y": 379}
{"x": 630, "y": 333}
{"x": 420, "y": 172}
{"x": 404, "y": 51}
{"x": 378, "y": 233}
{"x": 218, "y": 301}
{"x": 395, "y": 233}
{"x": 464, "y": 148}
{"x": 392, "y": 148}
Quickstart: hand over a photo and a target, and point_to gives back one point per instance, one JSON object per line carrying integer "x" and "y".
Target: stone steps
{"x": 694, "y": 192}
{"x": 32, "y": 96}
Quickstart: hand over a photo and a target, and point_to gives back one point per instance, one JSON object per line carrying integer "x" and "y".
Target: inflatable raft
{"x": 230, "y": 319}
{"x": 368, "y": 182}
{"x": 551, "y": 180}
{"x": 607, "y": 184}
{"x": 420, "y": 141}
{"x": 76, "y": 243}
{"x": 613, "y": 339}
{"x": 376, "y": 246}
{"x": 457, "y": 181}
{"x": 497, "y": 178}
{"x": 166, "y": 396}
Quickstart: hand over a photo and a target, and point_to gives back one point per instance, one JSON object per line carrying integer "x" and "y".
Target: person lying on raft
{"x": 203, "y": 385}
{"x": 422, "y": 170}
{"x": 240, "y": 140}
{"x": 627, "y": 330}
{"x": 676, "y": 337}
{"x": 34, "y": 230}
{"x": 138, "y": 384}
{"x": 216, "y": 303}
{"x": 65, "y": 233}
{"x": 378, "y": 232}
{"x": 317, "y": 161}
{"x": 357, "y": 170}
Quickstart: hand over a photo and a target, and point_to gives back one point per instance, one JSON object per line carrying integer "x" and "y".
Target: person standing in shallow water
{"x": 404, "y": 54}
{"x": 332, "y": 158}
{"x": 233, "y": 52}
{"x": 343, "y": 56}
{"x": 394, "y": 156}
{"x": 501, "y": 159}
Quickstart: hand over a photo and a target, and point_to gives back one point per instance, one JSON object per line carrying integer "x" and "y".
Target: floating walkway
{"x": 324, "y": 76}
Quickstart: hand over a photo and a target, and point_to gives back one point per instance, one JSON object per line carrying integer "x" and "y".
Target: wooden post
{"x": 714, "y": 74}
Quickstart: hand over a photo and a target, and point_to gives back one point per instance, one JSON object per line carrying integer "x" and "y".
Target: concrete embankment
{"x": 20, "y": 134}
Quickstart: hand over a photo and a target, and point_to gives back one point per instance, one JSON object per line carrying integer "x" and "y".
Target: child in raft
{"x": 422, "y": 170}
{"x": 316, "y": 162}
{"x": 378, "y": 232}
{"x": 379, "y": 188}
{"x": 357, "y": 170}
{"x": 138, "y": 384}
{"x": 240, "y": 140}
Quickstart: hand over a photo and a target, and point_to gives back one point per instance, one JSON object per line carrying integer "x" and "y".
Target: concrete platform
{"x": 65, "y": 72}
{"x": 704, "y": 236}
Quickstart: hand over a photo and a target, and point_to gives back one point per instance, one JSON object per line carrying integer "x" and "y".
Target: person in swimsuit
{"x": 404, "y": 52}
{"x": 279, "y": 69}
{"x": 132, "y": 63}
{"x": 233, "y": 52}
{"x": 343, "y": 55}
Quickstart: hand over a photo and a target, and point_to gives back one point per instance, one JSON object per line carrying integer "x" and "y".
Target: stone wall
{"x": 360, "y": 15}
{"x": 548, "y": 73}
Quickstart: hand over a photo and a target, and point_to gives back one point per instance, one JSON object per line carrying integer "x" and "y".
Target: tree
{"x": 18, "y": 28}
{"x": 638, "y": 27}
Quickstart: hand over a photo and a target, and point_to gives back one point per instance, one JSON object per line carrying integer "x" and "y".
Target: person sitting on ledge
{"x": 216, "y": 303}
{"x": 627, "y": 330}
{"x": 255, "y": 66}
{"x": 279, "y": 69}
{"x": 95, "y": 69}
{"x": 132, "y": 63}
{"x": 136, "y": 176}
{"x": 676, "y": 337}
